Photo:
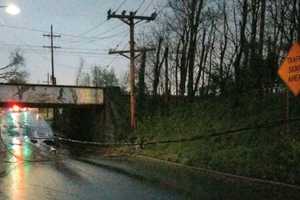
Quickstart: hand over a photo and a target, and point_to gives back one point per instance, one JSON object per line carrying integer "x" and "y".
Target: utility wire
{"x": 110, "y": 30}
{"x": 94, "y": 40}
{"x": 92, "y": 28}
{"x": 34, "y": 51}
{"x": 121, "y": 4}
{"x": 159, "y": 11}
{"x": 22, "y": 41}
{"x": 225, "y": 133}
{"x": 116, "y": 56}
{"x": 101, "y": 23}
{"x": 63, "y": 34}
{"x": 191, "y": 139}
{"x": 38, "y": 47}
{"x": 148, "y": 6}
{"x": 75, "y": 52}
{"x": 24, "y": 28}
{"x": 96, "y": 37}
{"x": 140, "y": 6}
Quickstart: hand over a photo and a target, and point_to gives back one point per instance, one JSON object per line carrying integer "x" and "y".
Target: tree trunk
{"x": 141, "y": 86}
{"x": 166, "y": 55}
{"x": 242, "y": 43}
{"x": 183, "y": 67}
{"x": 194, "y": 22}
{"x": 157, "y": 68}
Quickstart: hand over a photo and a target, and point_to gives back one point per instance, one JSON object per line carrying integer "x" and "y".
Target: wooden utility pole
{"x": 52, "y": 47}
{"x": 131, "y": 19}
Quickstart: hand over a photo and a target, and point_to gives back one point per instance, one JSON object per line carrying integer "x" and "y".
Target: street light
{"x": 11, "y": 9}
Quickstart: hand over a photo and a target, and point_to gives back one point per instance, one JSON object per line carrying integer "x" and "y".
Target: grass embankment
{"x": 263, "y": 153}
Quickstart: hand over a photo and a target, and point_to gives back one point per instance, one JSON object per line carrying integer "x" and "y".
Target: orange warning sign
{"x": 289, "y": 71}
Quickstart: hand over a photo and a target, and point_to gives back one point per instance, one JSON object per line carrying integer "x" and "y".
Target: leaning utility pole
{"x": 132, "y": 19}
{"x": 52, "y": 47}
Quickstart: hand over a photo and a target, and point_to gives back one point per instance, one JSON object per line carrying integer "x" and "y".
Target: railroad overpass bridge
{"x": 82, "y": 109}
{"x": 40, "y": 96}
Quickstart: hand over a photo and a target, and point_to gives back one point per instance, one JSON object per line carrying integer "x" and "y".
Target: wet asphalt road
{"x": 71, "y": 179}
{"x": 34, "y": 173}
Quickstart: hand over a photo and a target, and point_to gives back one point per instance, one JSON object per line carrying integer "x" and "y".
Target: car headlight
{"x": 16, "y": 141}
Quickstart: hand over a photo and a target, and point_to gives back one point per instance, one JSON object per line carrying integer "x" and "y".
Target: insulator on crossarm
{"x": 109, "y": 14}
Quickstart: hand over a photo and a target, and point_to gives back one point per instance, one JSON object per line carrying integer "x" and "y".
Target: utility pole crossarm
{"x": 131, "y": 15}
{"x": 124, "y": 52}
{"x": 49, "y": 35}
{"x": 49, "y": 47}
{"x": 135, "y": 17}
{"x": 128, "y": 51}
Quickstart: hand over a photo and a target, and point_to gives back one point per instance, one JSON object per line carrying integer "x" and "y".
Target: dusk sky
{"x": 85, "y": 33}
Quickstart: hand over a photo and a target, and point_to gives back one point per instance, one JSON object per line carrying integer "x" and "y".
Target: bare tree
{"x": 79, "y": 72}
{"x": 13, "y": 70}
{"x": 219, "y": 46}
{"x": 157, "y": 67}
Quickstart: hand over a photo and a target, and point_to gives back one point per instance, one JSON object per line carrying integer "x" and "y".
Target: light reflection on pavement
{"x": 18, "y": 175}
{"x": 70, "y": 179}
{"x": 32, "y": 173}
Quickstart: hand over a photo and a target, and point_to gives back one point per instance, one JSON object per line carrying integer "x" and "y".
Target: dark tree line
{"x": 219, "y": 47}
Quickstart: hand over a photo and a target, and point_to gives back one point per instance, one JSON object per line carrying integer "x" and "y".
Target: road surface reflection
{"x": 18, "y": 170}
{"x": 20, "y": 133}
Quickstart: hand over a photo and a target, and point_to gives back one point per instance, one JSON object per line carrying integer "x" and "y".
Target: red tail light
{"x": 16, "y": 108}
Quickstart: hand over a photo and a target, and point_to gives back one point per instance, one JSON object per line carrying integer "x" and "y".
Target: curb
{"x": 224, "y": 174}
{"x": 195, "y": 183}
